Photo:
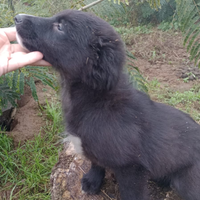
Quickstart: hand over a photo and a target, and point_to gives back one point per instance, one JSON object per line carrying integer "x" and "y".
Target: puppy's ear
{"x": 104, "y": 64}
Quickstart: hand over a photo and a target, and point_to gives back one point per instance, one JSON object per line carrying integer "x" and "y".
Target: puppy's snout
{"x": 18, "y": 19}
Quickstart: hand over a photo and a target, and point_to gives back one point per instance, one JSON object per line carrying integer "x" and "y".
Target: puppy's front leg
{"x": 132, "y": 183}
{"x": 92, "y": 181}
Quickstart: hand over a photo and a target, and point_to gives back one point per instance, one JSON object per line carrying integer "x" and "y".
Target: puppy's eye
{"x": 60, "y": 27}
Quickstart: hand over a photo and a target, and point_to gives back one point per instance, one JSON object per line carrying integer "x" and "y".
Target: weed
{"x": 54, "y": 114}
{"x": 155, "y": 83}
{"x": 189, "y": 76}
{"x": 166, "y": 26}
{"x": 187, "y": 101}
{"x": 185, "y": 80}
{"x": 153, "y": 55}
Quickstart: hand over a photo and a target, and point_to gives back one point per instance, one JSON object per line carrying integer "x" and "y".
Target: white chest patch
{"x": 19, "y": 40}
{"x": 76, "y": 142}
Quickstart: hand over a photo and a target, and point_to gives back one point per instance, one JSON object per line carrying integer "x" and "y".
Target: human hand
{"x": 13, "y": 56}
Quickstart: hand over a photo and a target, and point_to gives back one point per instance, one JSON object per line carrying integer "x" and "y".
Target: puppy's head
{"x": 79, "y": 45}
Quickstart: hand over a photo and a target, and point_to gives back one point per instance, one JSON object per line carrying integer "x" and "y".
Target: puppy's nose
{"x": 18, "y": 19}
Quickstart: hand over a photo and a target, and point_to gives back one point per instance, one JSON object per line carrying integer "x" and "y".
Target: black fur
{"x": 92, "y": 181}
{"x": 119, "y": 126}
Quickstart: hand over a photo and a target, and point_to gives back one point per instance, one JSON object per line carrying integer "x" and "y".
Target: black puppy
{"x": 116, "y": 125}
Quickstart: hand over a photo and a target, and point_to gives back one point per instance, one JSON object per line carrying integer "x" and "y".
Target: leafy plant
{"x": 115, "y": 14}
{"x": 6, "y": 16}
{"x": 154, "y": 3}
{"x": 12, "y": 84}
{"x": 188, "y": 12}
{"x": 141, "y": 12}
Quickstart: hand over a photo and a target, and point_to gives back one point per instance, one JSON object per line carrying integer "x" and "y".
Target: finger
{"x": 38, "y": 63}
{"x": 21, "y": 61}
{"x": 10, "y": 33}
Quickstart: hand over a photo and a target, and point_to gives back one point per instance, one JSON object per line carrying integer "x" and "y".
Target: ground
{"x": 164, "y": 62}
{"x": 27, "y": 121}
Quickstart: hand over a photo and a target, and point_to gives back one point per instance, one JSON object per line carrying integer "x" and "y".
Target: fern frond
{"x": 189, "y": 33}
{"x": 33, "y": 88}
{"x": 42, "y": 74}
{"x": 197, "y": 58}
{"x": 15, "y": 79}
{"x": 192, "y": 40}
{"x": 12, "y": 84}
{"x": 21, "y": 83}
{"x": 188, "y": 12}
{"x": 7, "y": 95}
{"x": 11, "y": 99}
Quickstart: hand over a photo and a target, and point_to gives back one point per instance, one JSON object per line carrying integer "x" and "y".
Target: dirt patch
{"x": 159, "y": 47}
{"x": 166, "y": 74}
{"x": 161, "y": 55}
{"x": 27, "y": 122}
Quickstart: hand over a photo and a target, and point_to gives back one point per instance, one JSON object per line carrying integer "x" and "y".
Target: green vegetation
{"x": 187, "y": 101}
{"x": 189, "y": 18}
{"x": 25, "y": 170}
{"x": 12, "y": 84}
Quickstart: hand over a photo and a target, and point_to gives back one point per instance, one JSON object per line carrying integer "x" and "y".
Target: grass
{"x": 25, "y": 170}
{"x": 54, "y": 114}
{"x": 128, "y": 33}
{"x": 187, "y": 101}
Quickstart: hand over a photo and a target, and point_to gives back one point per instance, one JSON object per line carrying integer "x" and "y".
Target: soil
{"x": 27, "y": 122}
{"x": 160, "y": 55}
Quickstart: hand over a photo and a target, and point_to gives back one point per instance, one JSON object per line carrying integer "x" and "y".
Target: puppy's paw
{"x": 91, "y": 184}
